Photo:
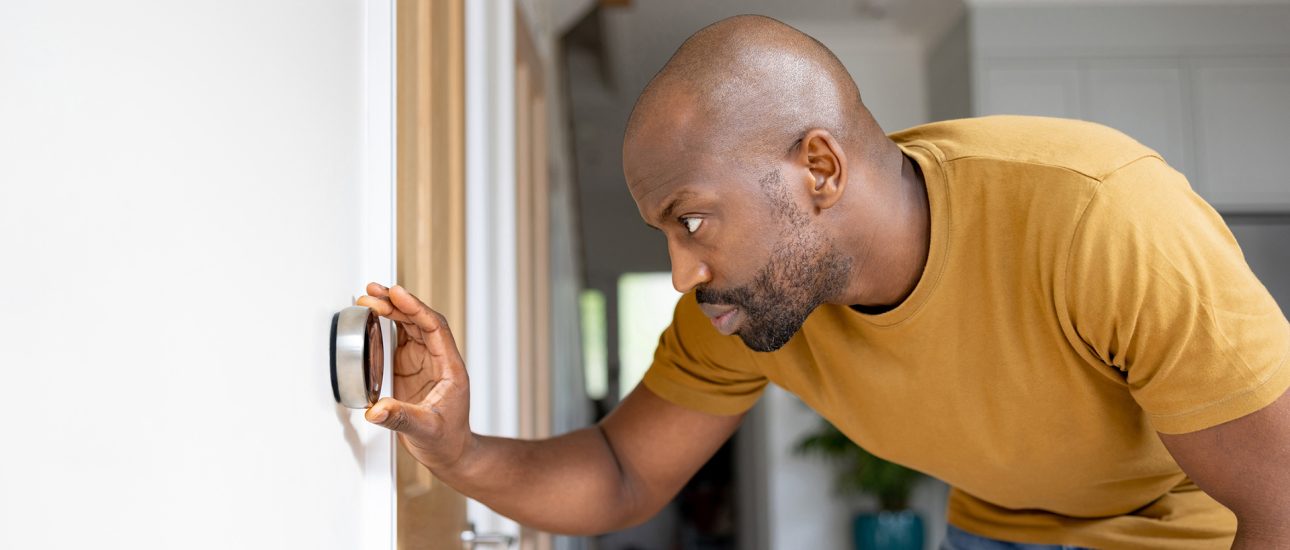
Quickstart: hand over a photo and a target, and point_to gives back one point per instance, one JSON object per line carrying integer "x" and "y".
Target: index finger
{"x": 425, "y": 318}
{"x": 438, "y": 338}
{"x": 384, "y": 308}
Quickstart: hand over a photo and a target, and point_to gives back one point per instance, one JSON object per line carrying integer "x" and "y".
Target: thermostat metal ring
{"x": 357, "y": 357}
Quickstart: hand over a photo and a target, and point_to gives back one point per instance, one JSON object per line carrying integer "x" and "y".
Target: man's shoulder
{"x": 1086, "y": 148}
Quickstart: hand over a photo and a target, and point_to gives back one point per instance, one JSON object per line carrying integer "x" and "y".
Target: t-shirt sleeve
{"x": 698, "y": 368}
{"x": 1157, "y": 288}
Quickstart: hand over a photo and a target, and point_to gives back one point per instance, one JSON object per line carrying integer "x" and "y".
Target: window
{"x": 645, "y": 305}
{"x": 595, "y": 343}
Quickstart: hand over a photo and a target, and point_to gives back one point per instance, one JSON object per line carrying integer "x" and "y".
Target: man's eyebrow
{"x": 672, "y": 202}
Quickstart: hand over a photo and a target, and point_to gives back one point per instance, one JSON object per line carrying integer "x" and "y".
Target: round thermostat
{"x": 357, "y": 357}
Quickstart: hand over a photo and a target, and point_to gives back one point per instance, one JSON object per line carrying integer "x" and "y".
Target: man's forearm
{"x": 571, "y": 484}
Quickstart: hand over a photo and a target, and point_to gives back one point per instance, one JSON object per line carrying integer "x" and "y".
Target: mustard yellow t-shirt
{"x": 1078, "y": 297}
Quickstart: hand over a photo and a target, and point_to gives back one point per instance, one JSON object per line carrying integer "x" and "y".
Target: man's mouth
{"x": 724, "y": 318}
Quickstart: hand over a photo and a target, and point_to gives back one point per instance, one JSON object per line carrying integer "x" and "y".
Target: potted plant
{"x": 894, "y": 526}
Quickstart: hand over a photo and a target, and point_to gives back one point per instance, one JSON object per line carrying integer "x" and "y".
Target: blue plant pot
{"x": 901, "y": 530}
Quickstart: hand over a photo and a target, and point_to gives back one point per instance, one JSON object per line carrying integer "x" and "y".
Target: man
{"x": 1038, "y": 312}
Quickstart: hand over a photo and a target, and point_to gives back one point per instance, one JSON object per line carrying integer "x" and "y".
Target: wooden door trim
{"x": 431, "y": 229}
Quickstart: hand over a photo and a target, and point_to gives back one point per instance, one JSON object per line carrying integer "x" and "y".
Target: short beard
{"x": 804, "y": 271}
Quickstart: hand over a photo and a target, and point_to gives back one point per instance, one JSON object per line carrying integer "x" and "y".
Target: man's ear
{"x": 825, "y": 164}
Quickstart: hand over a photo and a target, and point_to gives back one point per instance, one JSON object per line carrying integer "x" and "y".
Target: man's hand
{"x": 431, "y": 405}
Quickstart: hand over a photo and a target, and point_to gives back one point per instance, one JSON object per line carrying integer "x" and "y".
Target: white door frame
{"x": 379, "y": 519}
{"x": 491, "y": 288}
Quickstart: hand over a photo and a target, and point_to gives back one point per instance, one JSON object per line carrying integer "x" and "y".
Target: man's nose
{"x": 688, "y": 271}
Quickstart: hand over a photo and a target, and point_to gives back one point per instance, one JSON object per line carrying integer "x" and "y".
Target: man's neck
{"x": 917, "y": 231}
{"x": 892, "y": 261}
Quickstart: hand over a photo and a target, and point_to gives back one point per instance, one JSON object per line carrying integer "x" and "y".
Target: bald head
{"x": 754, "y": 85}
{"x": 739, "y": 152}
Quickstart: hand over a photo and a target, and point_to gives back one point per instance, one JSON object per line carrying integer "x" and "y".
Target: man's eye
{"x": 692, "y": 224}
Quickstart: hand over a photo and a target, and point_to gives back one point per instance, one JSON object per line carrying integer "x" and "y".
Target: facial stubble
{"x": 804, "y": 270}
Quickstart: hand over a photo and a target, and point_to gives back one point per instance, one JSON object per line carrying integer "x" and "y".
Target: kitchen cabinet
{"x": 1206, "y": 86}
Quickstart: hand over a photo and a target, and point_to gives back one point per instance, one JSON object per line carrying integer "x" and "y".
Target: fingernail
{"x": 379, "y": 415}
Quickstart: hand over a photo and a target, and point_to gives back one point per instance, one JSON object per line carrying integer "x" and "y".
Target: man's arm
{"x": 598, "y": 479}
{"x": 1245, "y": 465}
{"x": 593, "y": 480}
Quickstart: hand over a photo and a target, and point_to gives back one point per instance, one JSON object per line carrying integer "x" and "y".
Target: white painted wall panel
{"x": 1243, "y": 122}
{"x": 1035, "y": 87}
{"x": 187, "y": 192}
{"x": 1143, "y": 98}
{"x": 1205, "y": 85}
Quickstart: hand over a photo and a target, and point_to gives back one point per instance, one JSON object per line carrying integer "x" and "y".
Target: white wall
{"x": 188, "y": 191}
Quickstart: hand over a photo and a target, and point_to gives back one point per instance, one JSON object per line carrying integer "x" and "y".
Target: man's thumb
{"x": 394, "y": 415}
